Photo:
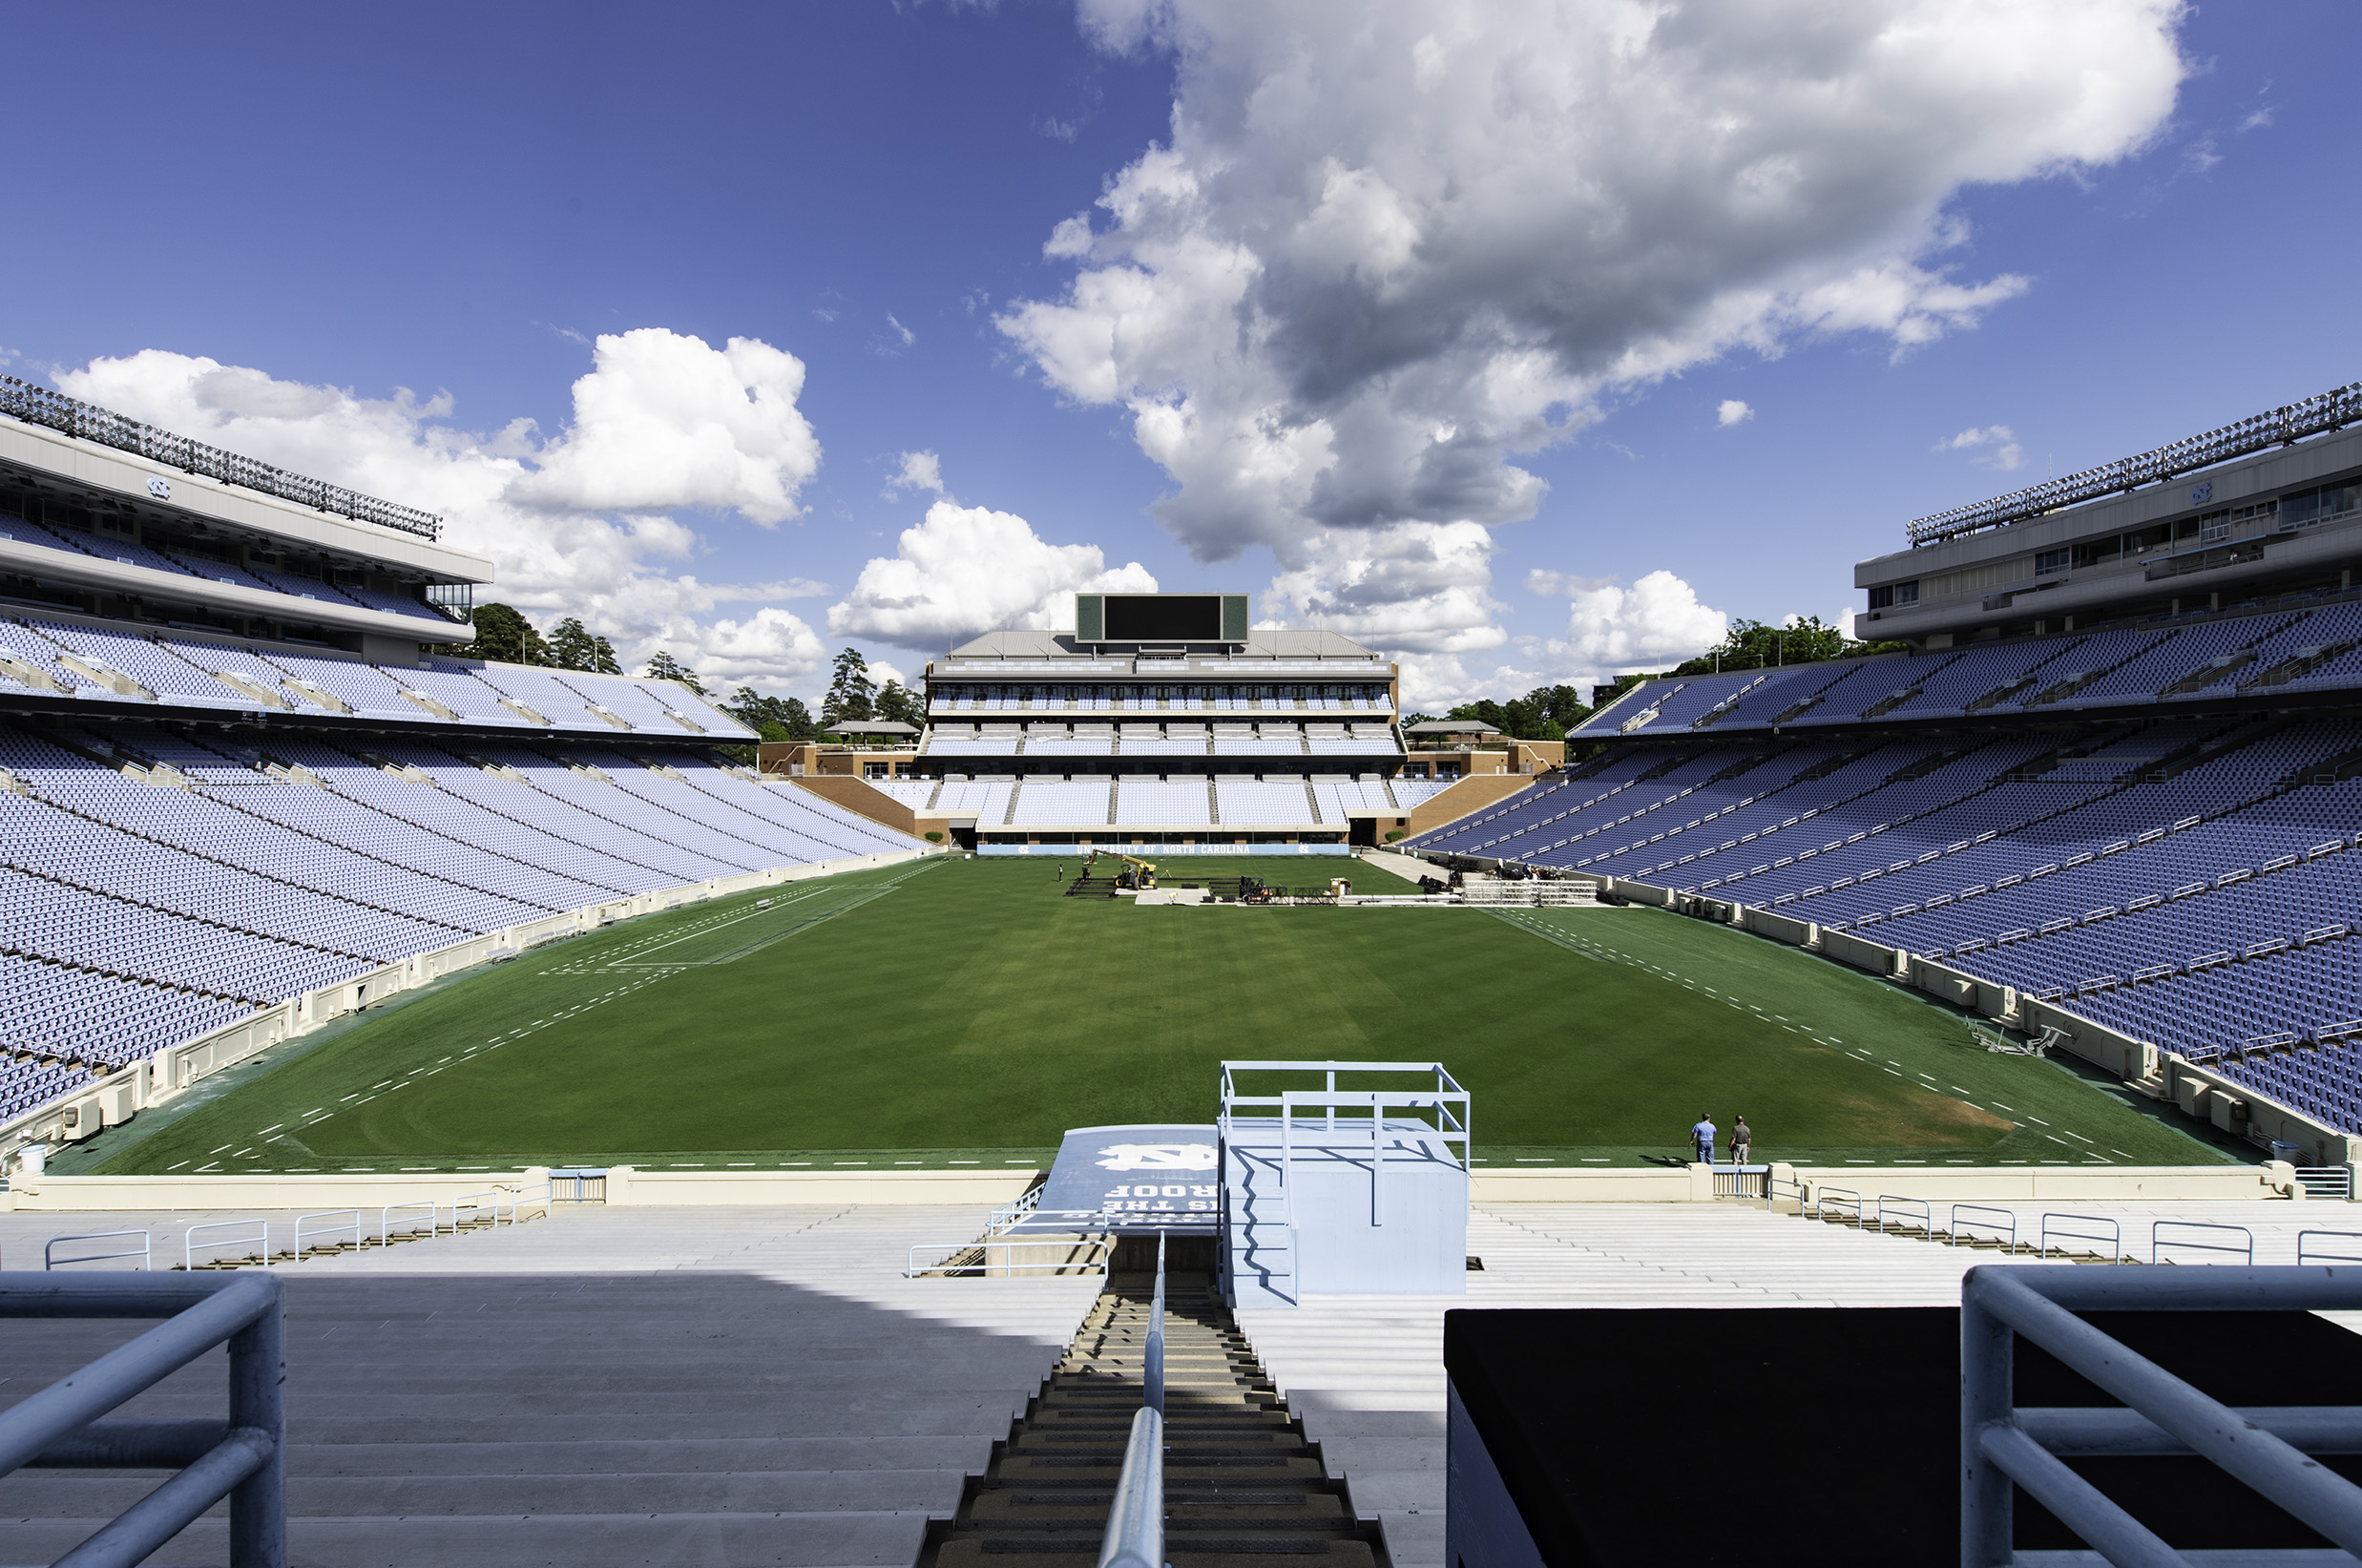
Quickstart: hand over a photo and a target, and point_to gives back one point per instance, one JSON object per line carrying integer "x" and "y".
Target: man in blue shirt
{"x": 1702, "y": 1136}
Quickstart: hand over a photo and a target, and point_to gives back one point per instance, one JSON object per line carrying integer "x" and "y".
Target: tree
{"x": 573, "y": 647}
{"x": 773, "y": 718}
{"x": 663, "y": 666}
{"x": 851, "y": 694}
{"x": 897, "y": 703}
{"x": 1754, "y": 645}
{"x": 504, "y": 635}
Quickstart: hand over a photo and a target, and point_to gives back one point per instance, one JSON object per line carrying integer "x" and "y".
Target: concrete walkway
{"x": 607, "y": 1386}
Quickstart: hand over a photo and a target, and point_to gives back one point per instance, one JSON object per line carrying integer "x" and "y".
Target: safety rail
{"x": 243, "y": 1458}
{"x": 2331, "y": 1181}
{"x": 579, "y": 1186}
{"x": 1960, "y": 1232}
{"x": 1135, "y": 1536}
{"x": 1017, "y": 1208}
{"x": 1845, "y": 1201}
{"x": 973, "y": 1259}
{"x": 40, "y": 406}
{"x": 2309, "y": 1252}
{"x": 255, "y": 1233}
{"x": 2061, "y": 1226}
{"x": 299, "y": 1251}
{"x": 1740, "y": 1180}
{"x": 1916, "y": 1215}
{"x": 385, "y": 1220}
{"x": 2159, "y": 1241}
{"x": 2005, "y": 1446}
{"x": 144, "y": 1252}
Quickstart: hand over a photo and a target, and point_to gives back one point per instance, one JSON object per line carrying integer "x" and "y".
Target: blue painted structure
{"x": 1351, "y": 1188}
{"x": 1136, "y": 1177}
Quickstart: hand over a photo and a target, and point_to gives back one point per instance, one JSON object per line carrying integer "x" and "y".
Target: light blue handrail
{"x": 1136, "y": 1520}
{"x": 2001, "y": 1444}
{"x": 243, "y": 1458}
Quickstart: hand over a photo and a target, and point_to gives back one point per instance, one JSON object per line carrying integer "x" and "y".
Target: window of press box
{"x": 1893, "y": 593}
{"x": 2050, "y": 562}
{"x": 2319, "y": 506}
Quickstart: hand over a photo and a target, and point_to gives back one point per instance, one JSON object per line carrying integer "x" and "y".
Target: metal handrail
{"x": 49, "y": 1260}
{"x": 1960, "y": 1237}
{"x": 2159, "y": 1240}
{"x": 385, "y": 1219}
{"x": 1135, "y": 1536}
{"x": 250, "y": 1230}
{"x": 1926, "y": 1215}
{"x": 2303, "y": 1253}
{"x": 2114, "y": 1235}
{"x": 71, "y": 416}
{"x": 352, "y": 1224}
{"x": 2001, "y": 1444}
{"x": 1824, "y": 1197}
{"x": 243, "y": 1458}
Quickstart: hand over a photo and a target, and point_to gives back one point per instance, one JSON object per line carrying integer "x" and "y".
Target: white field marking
{"x": 200, "y": 1170}
{"x": 2032, "y": 1118}
{"x": 1595, "y": 1159}
{"x": 2060, "y": 1141}
{"x": 2077, "y": 1137}
{"x": 2113, "y": 1150}
{"x": 315, "y": 1110}
{"x": 1958, "y": 1089}
{"x": 273, "y": 1127}
{"x": 848, "y": 1161}
{"x": 176, "y": 1167}
{"x": 1890, "y": 1069}
{"x": 364, "y": 1100}
{"x": 224, "y": 1149}
{"x": 910, "y": 1162}
{"x": 2011, "y": 1109}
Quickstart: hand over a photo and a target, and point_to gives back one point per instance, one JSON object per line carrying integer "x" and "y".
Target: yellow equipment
{"x": 1142, "y": 876}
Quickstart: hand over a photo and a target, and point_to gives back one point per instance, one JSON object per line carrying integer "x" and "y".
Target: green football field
{"x": 965, "y": 1012}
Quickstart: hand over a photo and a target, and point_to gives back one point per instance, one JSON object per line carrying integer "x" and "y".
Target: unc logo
{"x": 160, "y": 489}
{"x": 1156, "y": 1157}
{"x": 2201, "y": 494}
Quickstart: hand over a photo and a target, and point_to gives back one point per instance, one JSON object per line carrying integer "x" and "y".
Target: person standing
{"x": 1742, "y": 1139}
{"x": 1702, "y": 1137}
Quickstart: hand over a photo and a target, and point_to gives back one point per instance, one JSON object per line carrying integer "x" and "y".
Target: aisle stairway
{"x": 1243, "y": 1486}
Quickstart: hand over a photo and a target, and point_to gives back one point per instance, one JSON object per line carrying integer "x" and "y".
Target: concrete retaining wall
{"x": 1849, "y": 949}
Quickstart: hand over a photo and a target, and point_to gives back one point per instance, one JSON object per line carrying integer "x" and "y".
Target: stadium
{"x": 1167, "y": 1018}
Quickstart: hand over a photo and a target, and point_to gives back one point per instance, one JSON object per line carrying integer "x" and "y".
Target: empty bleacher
{"x": 156, "y": 883}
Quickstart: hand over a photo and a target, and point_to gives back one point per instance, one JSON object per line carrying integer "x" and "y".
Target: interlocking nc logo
{"x": 2201, "y": 494}
{"x": 160, "y": 489}
{"x": 1156, "y": 1157}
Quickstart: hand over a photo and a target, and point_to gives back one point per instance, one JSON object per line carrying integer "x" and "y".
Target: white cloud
{"x": 1391, "y": 246}
{"x": 919, "y": 471}
{"x": 1995, "y": 446}
{"x": 1655, "y": 622}
{"x": 894, "y": 338}
{"x": 622, "y": 575}
{"x": 1551, "y": 585}
{"x": 966, "y": 571}
{"x": 665, "y": 421}
{"x": 770, "y": 650}
{"x": 1414, "y": 588}
{"x": 1732, "y": 411}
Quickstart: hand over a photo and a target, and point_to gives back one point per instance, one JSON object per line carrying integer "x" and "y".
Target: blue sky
{"x": 1466, "y": 427}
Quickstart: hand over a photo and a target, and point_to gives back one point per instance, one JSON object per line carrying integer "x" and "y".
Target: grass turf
{"x": 966, "y": 1012}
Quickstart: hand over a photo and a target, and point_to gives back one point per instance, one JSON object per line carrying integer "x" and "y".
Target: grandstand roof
{"x": 872, "y": 726}
{"x": 1452, "y": 726}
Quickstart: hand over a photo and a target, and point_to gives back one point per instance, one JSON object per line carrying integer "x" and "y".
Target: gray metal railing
{"x": 2062, "y": 1226}
{"x": 2199, "y": 1236}
{"x": 1964, "y": 1222}
{"x": 1136, "y": 1520}
{"x": 2264, "y": 1447}
{"x": 71, "y": 416}
{"x": 49, "y": 1260}
{"x": 2313, "y": 416}
{"x": 1045, "y": 1254}
{"x": 243, "y": 1458}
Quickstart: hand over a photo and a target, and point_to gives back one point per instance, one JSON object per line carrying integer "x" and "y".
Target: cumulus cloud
{"x": 611, "y": 558}
{"x": 1732, "y": 411}
{"x": 1393, "y": 245}
{"x": 664, "y": 421}
{"x": 1995, "y": 447}
{"x": 966, "y": 571}
{"x": 919, "y": 471}
{"x": 1414, "y": 587}
{"x": 1655, "y": 622}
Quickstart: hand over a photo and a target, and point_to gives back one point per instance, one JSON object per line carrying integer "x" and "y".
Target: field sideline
{"x": 962, "y": 1011}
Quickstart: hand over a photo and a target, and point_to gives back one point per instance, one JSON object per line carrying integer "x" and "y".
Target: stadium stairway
{"x": 611, "y": 1387}
{"x": 1243, "y": 1486}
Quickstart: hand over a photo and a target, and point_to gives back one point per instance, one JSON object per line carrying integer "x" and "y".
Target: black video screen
{"x": 1163, "y": 618}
